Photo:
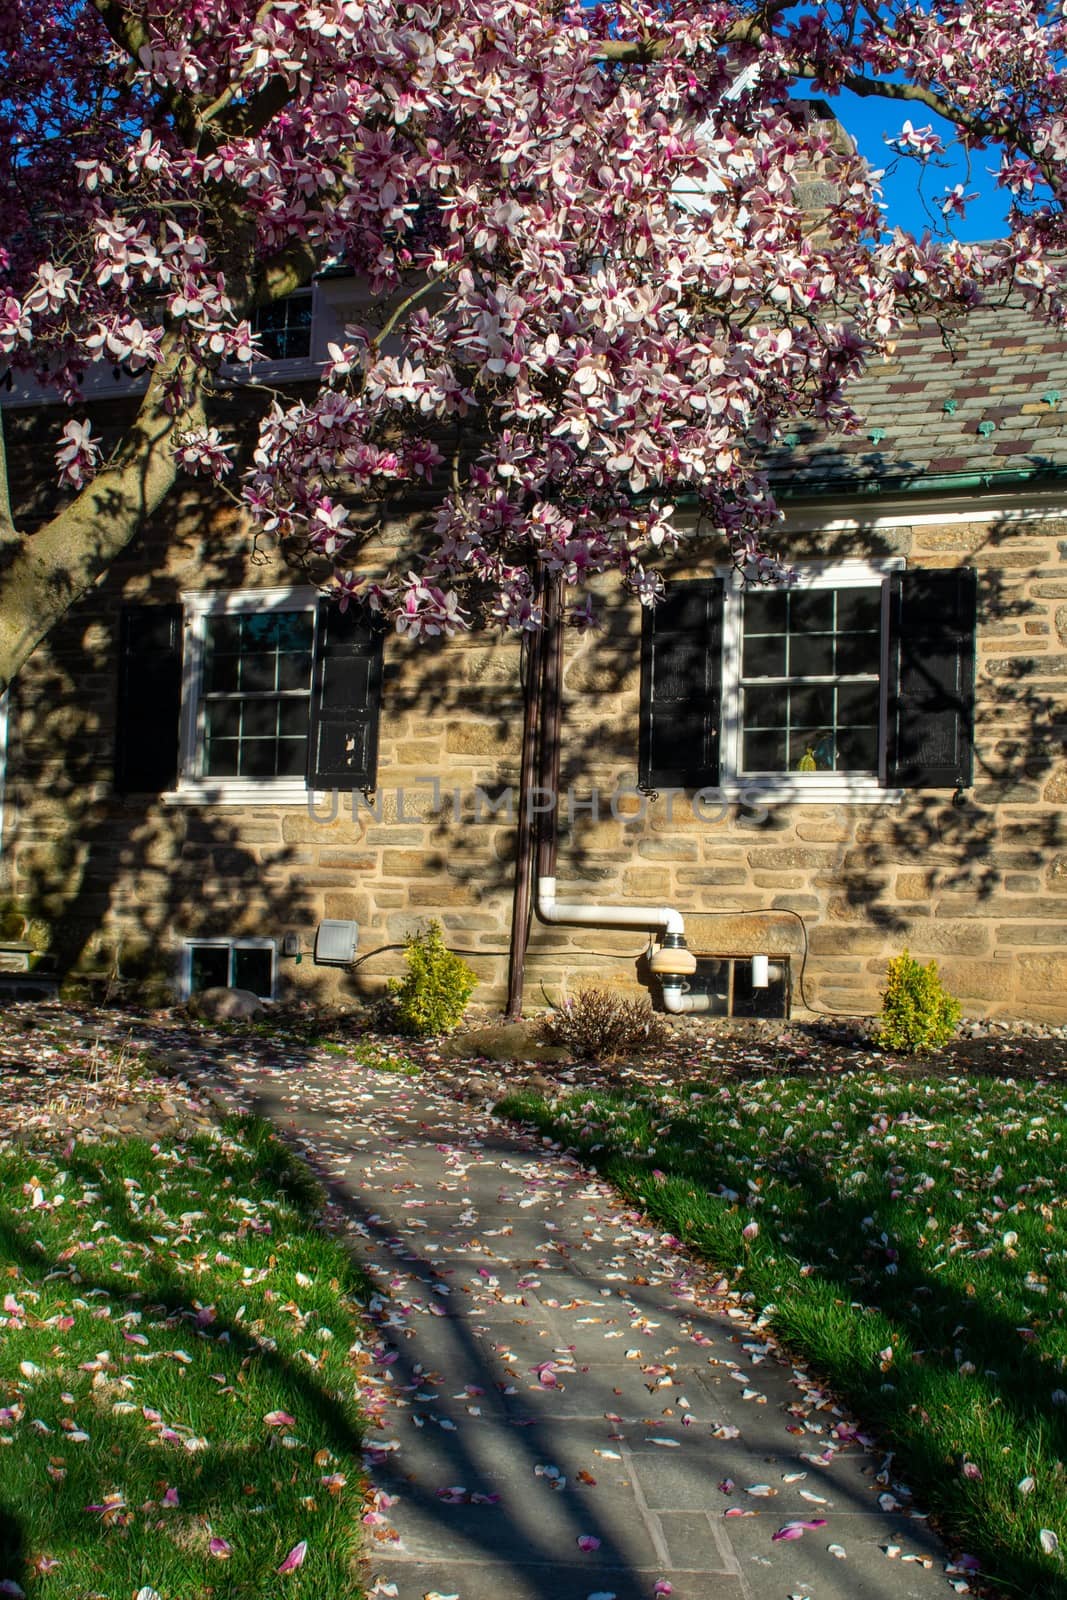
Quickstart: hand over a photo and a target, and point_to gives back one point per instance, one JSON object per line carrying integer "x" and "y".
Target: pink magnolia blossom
{"x": 584, "y": 295}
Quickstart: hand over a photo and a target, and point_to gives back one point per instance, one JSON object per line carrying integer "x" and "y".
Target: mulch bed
{"x": 69, "y": 1071}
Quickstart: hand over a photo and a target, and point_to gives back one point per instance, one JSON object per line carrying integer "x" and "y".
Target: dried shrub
{"x": 918, "y": 1013}
{"x": 598, "y": 1025}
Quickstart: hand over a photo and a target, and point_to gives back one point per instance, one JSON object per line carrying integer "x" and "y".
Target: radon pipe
{"x": 549, "y": 909}
{"x": 677, "y": 1001}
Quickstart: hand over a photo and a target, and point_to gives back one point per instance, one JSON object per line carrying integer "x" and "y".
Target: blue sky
{"x": 912, "y": 192}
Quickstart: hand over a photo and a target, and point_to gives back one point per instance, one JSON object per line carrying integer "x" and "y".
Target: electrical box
{"x": 335, "y": 943}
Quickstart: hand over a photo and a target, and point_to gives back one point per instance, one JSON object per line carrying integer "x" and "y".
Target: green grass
{"x": 154, "y": 1316}
{"x": 911, "y": 1245}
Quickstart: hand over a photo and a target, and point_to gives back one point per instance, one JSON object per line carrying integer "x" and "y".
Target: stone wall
{"x": 982, "y": 887}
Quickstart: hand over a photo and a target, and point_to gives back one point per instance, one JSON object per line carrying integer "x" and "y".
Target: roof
{"x": 986, "y": 397}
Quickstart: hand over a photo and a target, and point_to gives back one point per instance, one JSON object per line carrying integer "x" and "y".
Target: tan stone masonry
{"x": 981, "y": 887}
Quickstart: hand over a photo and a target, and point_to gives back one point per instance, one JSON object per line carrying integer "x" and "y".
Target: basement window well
{"x": 229, "y": 964}
{"x": 727, "y": 980}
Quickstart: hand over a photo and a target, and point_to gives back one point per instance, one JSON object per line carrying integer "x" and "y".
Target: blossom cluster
{"x": 593, "y": 284}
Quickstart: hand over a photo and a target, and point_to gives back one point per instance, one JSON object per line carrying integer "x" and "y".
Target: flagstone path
{"x": 566, "y": 1406}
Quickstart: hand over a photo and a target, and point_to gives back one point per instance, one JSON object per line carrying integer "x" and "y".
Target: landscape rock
{"x": 504, "y": 1041}
{"x": 227, "y": 1005}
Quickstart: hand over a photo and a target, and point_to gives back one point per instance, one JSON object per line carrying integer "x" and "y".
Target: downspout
{"x": 672, "y": 963}
{"x": 521, "y": 904}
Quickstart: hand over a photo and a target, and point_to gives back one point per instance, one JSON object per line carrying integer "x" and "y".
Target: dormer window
{"x": 284, "y": 328}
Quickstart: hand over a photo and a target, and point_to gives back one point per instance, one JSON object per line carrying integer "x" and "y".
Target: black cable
{"x": 616, "y": 955}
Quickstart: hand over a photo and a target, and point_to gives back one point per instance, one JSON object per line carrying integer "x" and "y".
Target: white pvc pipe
{"x": 549, "y": 909}
{"x": 676, "y": 1002}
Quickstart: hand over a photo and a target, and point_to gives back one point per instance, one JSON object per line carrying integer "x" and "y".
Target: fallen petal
{"x": 295, "y": 1558}
{"x": 588, "y": 1541}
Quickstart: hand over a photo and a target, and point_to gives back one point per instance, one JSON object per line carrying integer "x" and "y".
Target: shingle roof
{"x": 988, "y": 397}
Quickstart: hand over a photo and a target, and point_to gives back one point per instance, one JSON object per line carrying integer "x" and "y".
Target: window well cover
{"x": 335, "y": 942}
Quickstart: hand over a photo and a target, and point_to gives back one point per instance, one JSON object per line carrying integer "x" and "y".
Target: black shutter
{"x": 931, "y": 678}
{"x": 149, "y": 699}
{"x": 681, "y": 688}
{"x": 346, "y": 691}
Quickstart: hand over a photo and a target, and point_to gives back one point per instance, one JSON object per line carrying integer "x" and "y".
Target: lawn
{"x": 179, "y": 1397}
{"x": 908, "y": 1237}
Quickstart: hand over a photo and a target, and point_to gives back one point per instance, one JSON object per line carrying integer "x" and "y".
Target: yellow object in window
{"x": 807, "y": 762}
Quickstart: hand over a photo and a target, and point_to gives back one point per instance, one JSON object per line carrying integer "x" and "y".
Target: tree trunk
{"x": 48, "y": 570}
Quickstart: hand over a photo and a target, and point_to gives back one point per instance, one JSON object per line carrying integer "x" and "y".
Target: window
{"x": 236, "y": 698}
{"x": 853, "y": 680}
{"x": 810, "y": 669}
{"x": 284, "y": 328}
{"x": 247, "y": 692}
{"x": 229, "y": 964}
{"x": 256, "y": 693}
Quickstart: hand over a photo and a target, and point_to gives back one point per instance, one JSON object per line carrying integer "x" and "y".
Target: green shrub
{"x": 600, "y": 1026}
{"x": 433, "y": 996}
{"x": 917, "y": 1012}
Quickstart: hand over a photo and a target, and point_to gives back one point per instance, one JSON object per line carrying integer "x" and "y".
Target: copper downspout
{"x": 522, "y": 903}
{"x": 551, "y": 712}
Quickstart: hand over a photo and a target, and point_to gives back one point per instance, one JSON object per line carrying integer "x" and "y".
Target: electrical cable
{"x": 616, "y": 955}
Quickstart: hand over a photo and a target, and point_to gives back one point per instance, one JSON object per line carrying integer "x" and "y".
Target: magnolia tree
{"x": 563, "y": 341}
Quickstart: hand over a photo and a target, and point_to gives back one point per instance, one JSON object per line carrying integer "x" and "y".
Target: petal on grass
{"x": 221, "y": 1549}
{"x": 1050, "y": 1543}
{"x": 295, "y": 1558}
{"x": 279, "y": 1419}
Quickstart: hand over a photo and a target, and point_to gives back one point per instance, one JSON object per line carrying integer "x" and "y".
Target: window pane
{"x": 252, "y": 970}
{"x": 811, "y": 610}
{"x": 764, "y": 656}
{"x": 811, "y": 656}
{"x": 859, "y": 611}
{"x": 811, "y": 750}
{"x": 293, "y": 757}
{"x": 294, "y": 669}
{"x": 221, "y": 757}
{"x": 811, "y": 705}
{"x": 258, "y": 758}
{"x": 764, "y": 752}
{"x": 259, "y": 719}
{"x": 223, "y": 720}
{"x": 209, "y": 967}
{"x": 766, "y": 610}
{"x": 858, "y": 703}
{"x": 857, "y": 749}
{"x": 764, "y": 708}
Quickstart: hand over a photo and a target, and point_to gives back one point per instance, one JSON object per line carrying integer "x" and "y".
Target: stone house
{"x": 203, "y": 765}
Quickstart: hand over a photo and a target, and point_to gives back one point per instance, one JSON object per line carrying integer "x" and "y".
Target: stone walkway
{"x": 566, "y": 1406}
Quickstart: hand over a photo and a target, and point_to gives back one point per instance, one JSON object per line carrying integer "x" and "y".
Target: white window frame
{"x": 825, "y": 788}
{"x": 193, "y": 788}
{"x": 230, "y": 944}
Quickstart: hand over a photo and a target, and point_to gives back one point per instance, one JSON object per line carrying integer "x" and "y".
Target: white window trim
{"x": 192, "y": 788}
{"x": 231, "y": 944}
{"x": 811, "y": 788}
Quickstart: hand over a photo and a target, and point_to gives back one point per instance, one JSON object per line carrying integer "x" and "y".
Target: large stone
{"x": 227, "y": 1005}
{"x": 505, "y": 1041}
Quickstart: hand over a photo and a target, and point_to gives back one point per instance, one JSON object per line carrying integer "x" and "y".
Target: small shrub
{"x": 600, "y": 1026}
{"x": 433, "y": 996}
{"x": 917, "y": 1012}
